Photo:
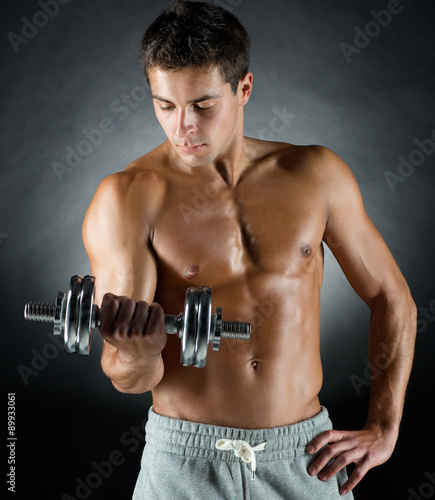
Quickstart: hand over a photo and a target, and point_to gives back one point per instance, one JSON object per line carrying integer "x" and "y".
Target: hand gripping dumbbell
{"x": 75, "y": 316}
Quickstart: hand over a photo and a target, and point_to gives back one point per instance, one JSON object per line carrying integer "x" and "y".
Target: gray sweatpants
{"x": 190, "y": 461}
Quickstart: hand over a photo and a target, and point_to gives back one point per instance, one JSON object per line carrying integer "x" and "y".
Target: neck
{"x": 231, "y": 165}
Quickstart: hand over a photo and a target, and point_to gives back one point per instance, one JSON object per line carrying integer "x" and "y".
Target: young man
{"x": 247, "y": 218}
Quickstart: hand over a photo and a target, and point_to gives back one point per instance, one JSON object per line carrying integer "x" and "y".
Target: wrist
{"x": 143, "y": 360}
{"x": 384, "y": 430}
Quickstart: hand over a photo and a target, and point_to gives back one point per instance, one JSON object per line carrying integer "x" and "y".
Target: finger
{"x": 330, "y": 452}
{"x": 322, "y": 440}
{"x": 111, "y": 302}
{"x": 340, "y": 462}
{"x": 140, "y": 318}
{"x": 107, "y": 299}
{"x": 125, "y": 314}
{"x": 156, "y": 319}
{"x": 359, "y": 472}
{"x": 109, "y": 310}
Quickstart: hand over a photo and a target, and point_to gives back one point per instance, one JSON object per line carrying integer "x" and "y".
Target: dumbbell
{"x": 75, "y": 316}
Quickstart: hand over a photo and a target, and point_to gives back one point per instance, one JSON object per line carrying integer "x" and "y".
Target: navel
{"x": 191, "y": 272}
{"x": 254, "y": 364}
{"x": 306, "y": 250}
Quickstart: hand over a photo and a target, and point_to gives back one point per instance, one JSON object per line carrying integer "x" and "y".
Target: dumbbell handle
{"x": 38, "y": 311}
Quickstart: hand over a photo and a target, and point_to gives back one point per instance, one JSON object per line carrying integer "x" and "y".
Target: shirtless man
{"x": 256, "y": 240}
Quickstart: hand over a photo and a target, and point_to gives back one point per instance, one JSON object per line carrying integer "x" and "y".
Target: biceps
{"x": 118, "y": 245}
{"x": 126, "y": 273}
{"x": 122, "y": 263}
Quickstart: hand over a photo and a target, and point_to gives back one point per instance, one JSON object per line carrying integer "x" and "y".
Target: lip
{"x": 192, "y": 149}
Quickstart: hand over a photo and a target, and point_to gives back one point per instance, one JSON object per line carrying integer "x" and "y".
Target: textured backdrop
{"x": 357, "y": 77}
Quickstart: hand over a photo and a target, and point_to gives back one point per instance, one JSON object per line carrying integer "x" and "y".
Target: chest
{"x": 274, "y": 223}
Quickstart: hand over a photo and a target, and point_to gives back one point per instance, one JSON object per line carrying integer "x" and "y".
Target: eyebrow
{"x": 207, "y": 97}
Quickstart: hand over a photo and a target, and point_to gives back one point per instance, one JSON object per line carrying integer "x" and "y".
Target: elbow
{"x": 410, "y": 307}
{"x": 398, "y": 302}
{"x": 397, "y": 294}
{"x": 413, "y": 315}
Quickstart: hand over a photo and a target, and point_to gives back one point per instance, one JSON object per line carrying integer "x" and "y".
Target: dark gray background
{"x": 71, "y": 75}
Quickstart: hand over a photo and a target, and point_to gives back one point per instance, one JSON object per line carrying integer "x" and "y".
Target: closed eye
{"x": 199, "y": 108}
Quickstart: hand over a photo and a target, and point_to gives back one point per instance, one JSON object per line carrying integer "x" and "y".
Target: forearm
{"x": 134, "y": 376}
{"x": 393, "y": 325}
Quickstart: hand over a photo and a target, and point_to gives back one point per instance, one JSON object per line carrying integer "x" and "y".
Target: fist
{"x": 136, "y": 329}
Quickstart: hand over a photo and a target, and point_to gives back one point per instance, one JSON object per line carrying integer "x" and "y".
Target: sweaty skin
{"x": 249, "y": 219}
{"x": 249, "y": 244}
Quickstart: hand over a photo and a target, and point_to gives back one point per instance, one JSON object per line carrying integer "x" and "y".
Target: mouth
{"x": 191, "y": 149}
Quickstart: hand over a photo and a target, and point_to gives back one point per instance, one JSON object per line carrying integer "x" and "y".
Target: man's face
{"x": 198, "y": 112}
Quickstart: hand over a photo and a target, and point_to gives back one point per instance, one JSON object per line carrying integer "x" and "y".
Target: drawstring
{"x": 243, "y": 450}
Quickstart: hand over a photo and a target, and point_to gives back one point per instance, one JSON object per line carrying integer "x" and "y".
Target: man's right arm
{"x": 116, "y": 234}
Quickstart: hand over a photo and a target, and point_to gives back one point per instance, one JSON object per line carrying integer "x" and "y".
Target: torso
{"x": 258, "y": 245}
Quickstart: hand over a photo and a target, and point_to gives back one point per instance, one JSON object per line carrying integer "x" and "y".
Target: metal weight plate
{"x": 203, "y": 330}
{"x": 84, "y": 329}
{"x": 72, "y": 314}
{"x": 59, "y": 315}
{"x": 188, "y": 340}
{"x": 217, "y": 329}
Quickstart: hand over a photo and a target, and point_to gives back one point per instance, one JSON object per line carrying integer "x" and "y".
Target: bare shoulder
{"x": 314, "y": 160}
{"x": 310, "y": 160}
{"x": 126, "y": 201}
{"x": 326, "y": 164}
{"x": 140, "y": 182}
{"x": 318, "y": 165}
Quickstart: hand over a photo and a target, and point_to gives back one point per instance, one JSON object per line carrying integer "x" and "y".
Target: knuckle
{"x": 141, "y": 304}
{"x": 156, "y": 316}
{"x": 128, "y": 303}
{"x": 109, "y": 300}
{"x": 332, "y": 449}
{"x": 370, "y": 457}
{"x": 345, "y": 458}
{"x": 329, "y": 434}
{"x": 156, "y": 310}
{"x": 352, "y": 441}
{"x": 358, "y": 473}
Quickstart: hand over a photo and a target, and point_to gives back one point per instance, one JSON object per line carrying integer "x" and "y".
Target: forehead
{"x": 186, "y": 82}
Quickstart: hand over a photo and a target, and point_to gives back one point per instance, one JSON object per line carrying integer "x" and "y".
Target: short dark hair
{"x": 195, "y": 34}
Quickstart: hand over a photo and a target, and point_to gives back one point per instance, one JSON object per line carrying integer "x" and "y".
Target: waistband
{"x": 198, "y": 440}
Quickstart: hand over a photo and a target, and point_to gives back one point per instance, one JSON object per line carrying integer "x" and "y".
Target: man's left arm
{"x": 374, "y": 275}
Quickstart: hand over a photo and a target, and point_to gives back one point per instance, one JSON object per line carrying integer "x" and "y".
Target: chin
{"x": 196, "y": 162}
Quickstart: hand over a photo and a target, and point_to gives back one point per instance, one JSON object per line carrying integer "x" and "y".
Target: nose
{"x": 185, "y": 124}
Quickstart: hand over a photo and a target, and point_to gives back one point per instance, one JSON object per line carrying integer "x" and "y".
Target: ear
{"x": 245, "y": 89}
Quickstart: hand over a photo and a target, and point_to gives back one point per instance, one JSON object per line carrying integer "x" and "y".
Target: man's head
{"x": 197, "y": 34}
{"x": 196, "y": 59}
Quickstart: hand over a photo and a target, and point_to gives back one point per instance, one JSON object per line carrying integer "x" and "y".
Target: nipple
{"x": 191, "y": 272}
{"x": 306, "y": 250}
